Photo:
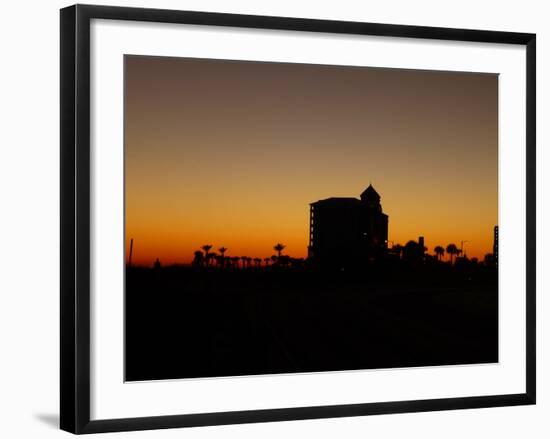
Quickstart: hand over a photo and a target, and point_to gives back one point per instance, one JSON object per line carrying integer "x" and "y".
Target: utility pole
{"x": 131, "y": 250}
{"x": 462, "y": 247}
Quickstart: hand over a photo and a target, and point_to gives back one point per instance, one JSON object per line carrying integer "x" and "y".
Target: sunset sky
{"x": 231, "y": 153}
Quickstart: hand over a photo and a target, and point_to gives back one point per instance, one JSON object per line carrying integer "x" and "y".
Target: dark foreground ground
{"x": 183, "y": 322}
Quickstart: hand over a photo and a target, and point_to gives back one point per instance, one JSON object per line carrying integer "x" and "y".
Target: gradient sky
{"x": 232, "y": 152}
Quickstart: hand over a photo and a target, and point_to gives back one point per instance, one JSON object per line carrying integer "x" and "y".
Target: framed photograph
{"x": 268, "y": 218}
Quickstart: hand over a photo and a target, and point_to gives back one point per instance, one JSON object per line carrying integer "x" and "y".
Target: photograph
{"x": 285, "y": 218}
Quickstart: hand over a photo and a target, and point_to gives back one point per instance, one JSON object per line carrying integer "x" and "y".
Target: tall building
{"x": 347, "y": 232}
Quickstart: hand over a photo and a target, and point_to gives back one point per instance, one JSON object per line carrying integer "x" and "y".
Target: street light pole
{"x": 131, "y": 251}
{"x": 462, "y": 247}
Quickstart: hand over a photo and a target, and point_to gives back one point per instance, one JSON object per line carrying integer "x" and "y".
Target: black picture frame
{"x": 75, "y": 217}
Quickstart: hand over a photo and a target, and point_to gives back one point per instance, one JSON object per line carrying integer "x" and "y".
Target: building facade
{"x": 348, "y": 232}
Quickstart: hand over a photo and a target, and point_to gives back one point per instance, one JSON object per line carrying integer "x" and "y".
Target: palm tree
{"x": 411, "y": 251}
{"x": 267, "y": 261}
{"x": 235, "y": 260}
{"x": 211, "y": 257}
{"x": 452, "y": 249}
{"x": 222, "y": 251}
{"x": 279, "y": 248}
{"x": 439, "y": 252}
{"x": 206, "y": 248}
{"x": 198, "y": 259}
{"x": 258, "y": 261}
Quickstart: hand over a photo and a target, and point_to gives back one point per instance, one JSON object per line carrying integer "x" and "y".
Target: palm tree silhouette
{"x": 198, "y": 260}
{"x": 245, "y": 261}
{"x": 452, "y": 249}
{"x": 258, "y": 261}
{"x": 222, "y": 251}
{"x": 267, "y": 261}
{"x": 206, "y": 248}
{"x": 411, "y": 251}
{"x": 235, "y": 260}
{"x": 279, "y": 248}
{"x": 211, "y": 257}
{"x": 439, "y": 252}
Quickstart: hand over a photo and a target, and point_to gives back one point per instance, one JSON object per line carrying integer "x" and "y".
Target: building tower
{"x": 348, "y": 232}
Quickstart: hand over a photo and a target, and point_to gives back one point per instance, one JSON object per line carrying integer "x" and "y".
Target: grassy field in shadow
{"x": 184, "y": 322}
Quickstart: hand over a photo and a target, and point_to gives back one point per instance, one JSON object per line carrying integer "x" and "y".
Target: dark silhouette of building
{"x": 348, "y": 232}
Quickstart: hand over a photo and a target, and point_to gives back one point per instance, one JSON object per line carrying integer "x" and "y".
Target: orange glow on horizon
{"x": 232, "y": 153}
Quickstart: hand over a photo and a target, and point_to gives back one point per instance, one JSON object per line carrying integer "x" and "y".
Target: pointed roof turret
{"x": 370, "y": 195}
